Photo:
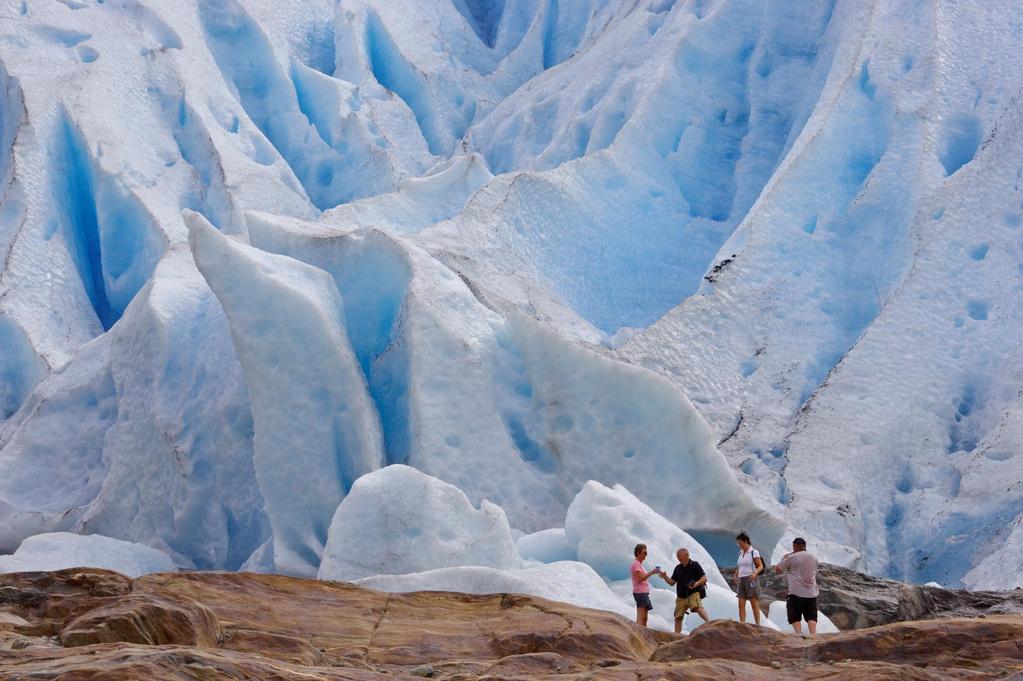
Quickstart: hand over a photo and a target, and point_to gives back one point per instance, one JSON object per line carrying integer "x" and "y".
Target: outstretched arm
{"x": 643, "y": 576}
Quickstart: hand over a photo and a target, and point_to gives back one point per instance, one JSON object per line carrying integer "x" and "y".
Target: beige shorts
{"x": 684, "y": 605}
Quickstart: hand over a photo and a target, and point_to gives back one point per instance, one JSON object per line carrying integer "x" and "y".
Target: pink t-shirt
{"x": 638, "y": 573}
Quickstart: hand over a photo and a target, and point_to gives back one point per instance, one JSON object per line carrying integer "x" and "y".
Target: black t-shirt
{"x": 683, "y": 575}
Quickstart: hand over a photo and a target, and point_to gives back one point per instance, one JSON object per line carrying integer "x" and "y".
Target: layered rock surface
{"x": 853, "y": 600}
{"x": 83, "y": 623}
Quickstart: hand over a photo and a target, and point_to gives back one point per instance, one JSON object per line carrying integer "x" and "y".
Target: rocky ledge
{"x": 853, "y": 600}
{"x": 93, "y": 624}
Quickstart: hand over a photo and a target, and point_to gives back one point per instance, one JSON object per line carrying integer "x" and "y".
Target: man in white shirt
{"x": 800, "y": 568}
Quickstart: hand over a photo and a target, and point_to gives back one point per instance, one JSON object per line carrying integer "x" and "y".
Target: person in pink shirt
{"x": 640, "y": 585}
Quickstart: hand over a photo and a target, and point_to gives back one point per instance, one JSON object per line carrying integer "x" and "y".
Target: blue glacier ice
{"x": 316, "y": 435}
{"x": 61, "y": 550}
{"x": 677, "y": 268}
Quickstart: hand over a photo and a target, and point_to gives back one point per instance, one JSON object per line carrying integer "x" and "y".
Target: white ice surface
{"x": 547, "y": 546}
{"x": 418, "y": 202}
{"x": 603, "y": 522}
{"x": 59, "y": 550}
{"x": 398, "y": 520}
{"x": 565, "y": 581}
{"x": 146, "y": 435}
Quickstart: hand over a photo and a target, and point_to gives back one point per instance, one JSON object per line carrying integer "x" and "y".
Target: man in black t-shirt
{"x": 689, "y": 580}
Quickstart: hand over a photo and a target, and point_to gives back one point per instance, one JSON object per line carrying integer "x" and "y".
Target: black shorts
{"x": 643, "y": 601}
{"x": 797, "y": 607}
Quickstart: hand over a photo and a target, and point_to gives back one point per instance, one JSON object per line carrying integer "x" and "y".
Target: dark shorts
{"x": 643, "y": 601}
{"x": 797, "y": 607}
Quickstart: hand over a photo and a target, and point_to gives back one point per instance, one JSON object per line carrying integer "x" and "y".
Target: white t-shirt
{"x": 745, "y": 562}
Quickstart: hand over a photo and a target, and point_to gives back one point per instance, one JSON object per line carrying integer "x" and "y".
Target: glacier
{"x": 59, "y": 550}
{"x": 670, "y": 268}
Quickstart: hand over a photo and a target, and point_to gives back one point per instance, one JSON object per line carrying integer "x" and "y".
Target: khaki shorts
{"x": 748, "y": 588}
{"x": 690, "y": 604}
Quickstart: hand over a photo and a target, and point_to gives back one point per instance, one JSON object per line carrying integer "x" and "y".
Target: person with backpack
{"x": 690, "y": 582}
{"x": 747, "y": 584}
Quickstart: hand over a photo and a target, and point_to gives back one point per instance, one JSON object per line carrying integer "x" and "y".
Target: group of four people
{"x": 690, "y": 580}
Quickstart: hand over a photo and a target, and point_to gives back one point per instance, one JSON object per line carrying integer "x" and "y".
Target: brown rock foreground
{"x": 92, "y": 624}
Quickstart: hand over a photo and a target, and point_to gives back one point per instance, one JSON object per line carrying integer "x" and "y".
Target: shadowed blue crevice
{"x": 529, "y": 449}
{"x": 977, "y": 310}
{"x": 82, "y": 223}
{"x": 938, "y": 556}
{"x": 784, "y": 495}
{"x": 243, "y": 537}
{"x": 959, "y": 142}
{"x": 392, "y": 71}
{"x": 373, "y": 283}
{"x": 894, "y": 516}
{"x": 563, "y": 31}
{"x": 484, "y": 16}
{"x": 720, "y": 545}
{"x": 112, "y": 239}
{"x": 210, "y": 197}
{"x": 905, "y": 481}
{"x": 520, "y": 412}
{"x": 866, "y": 236}
{"x": 321, "y": 111}
{"x": 866, "y": 85}
{"x": 963, "y": 434}
{"x": 20, "y": 367}
{"x": 11, "y": 114}
{"x": 372, "y": 276}
{"x": 550, "y": 34}
{"x": 318, "y": 51}
{"x": 247, "y": 61}
{"x": 979, "y": 252}
{"x": 389, "y": 388}
{"x": 713, "y": 145}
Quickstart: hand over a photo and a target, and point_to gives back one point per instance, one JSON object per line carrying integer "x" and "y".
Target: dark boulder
{"x": 853, "y": 600}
